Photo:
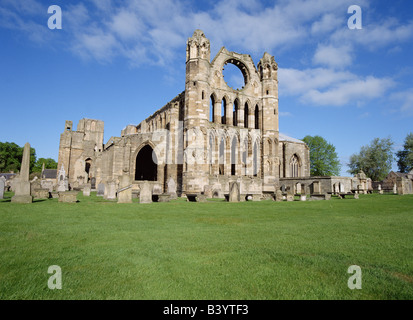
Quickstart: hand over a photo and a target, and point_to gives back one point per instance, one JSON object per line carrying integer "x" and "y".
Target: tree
{"x": 375, "y": 159}
{"x": 323, "y": 157}
{"x": 49, "y": 163}
{"x": 11, "y": 157}
{"x": 405, "y": 156}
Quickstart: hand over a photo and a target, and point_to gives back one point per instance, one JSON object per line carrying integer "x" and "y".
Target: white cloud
{"x": 404, "y": 99}
{"x": 294, "y": 81}
{"x": 349, "y": 92}
{"x": 335, "y": 57}
{"x": 327, "y": 87}
{"x": 126, "y": 25}
{"x": 327, "y": 23}
{"x": 374, "y": 36}
{"x": 98, "y": 45}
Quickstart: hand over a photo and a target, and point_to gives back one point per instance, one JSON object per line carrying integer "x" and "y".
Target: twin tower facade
{"x": 205, "y": 138}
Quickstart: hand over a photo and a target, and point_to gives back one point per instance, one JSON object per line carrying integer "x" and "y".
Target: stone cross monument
{"x": 22, "y": 183}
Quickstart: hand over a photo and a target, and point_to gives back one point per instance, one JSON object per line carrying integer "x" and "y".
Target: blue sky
{"x": 119, "y": 61}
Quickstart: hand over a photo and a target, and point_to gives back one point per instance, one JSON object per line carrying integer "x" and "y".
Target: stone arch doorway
{"x": 146, "y": 167}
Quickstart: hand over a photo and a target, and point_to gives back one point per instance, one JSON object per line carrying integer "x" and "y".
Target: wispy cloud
{"x": 404, "y": 100}
{"x": 155, "y": 31}
{"x": 327, "y": 87}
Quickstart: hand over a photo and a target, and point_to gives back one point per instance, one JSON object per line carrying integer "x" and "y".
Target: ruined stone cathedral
{"x": 205, "y": 138}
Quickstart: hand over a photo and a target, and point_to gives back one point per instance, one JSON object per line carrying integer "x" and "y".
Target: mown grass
{"x": 213, "y": 250}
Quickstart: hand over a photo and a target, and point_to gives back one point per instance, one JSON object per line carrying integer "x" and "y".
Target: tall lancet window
{"x": 294, "y": 166}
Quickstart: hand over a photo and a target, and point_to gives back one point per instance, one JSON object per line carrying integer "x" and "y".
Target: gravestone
{"x": 400, "y": 186}
{"x": 290, "y": 194}
{"x": 279, "y": 196}
{"x": 34, "y": 184}
{"x": 164, "y": 197}
{"x": 86, "y": 190}
{"x": 93, "y": 183}
{"x": 172, "y": 188}
{"x": 201, "y": 198}
{"x": 21, "y": 183}
{"x": 208, "y": 191}
{"x": 145, "y": 195}
{"x": 68, "y": 196}
{"x": 380, "y": 189}
{"x": 55, "y": 194}
{"x": 316, "y": 187}
{"x": 111, "y": 190}
{"x": 61, "y": 176}
{"x": 234, "y": 192}
{"x": 125, "y": 189}
{"x": 40, "y": 193}
{"x": 46, "y": 184}
{"x": 101, "y": 190}
{"x": 303, "y": 196}
{"x": 2, "y": 187}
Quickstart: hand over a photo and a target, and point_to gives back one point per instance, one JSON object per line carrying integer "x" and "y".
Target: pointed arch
{"x": 212, "y": 100}
{"x": 221, "y": 158}
{"x": 256, "y": 117}
{"x": 255, "y": 157}
{"x": 295, "y": 166}
{"x": 235, "y": 113}
{"x": 146, "y": 167}
{"x": 224, "y": 110}
{"x": 234, "y": 155}
{"x": 246, "y": 114}
{"x": 245, "y": 156}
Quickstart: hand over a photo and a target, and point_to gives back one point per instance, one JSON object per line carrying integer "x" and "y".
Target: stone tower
{"x": 229, "y": 131}
{"x": 78, "y": 149}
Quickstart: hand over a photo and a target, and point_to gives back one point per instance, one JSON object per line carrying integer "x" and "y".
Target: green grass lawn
{"x": 213, "y": 250}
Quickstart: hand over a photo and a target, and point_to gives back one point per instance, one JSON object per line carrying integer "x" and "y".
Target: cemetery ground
{"x": 214, "y": 250}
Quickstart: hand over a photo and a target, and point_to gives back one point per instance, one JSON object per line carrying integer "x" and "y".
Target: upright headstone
{"x": 303, "y": 195}
{"x": 111, "y": 192}
{"x": 395, "y": 188}
{"x": 172, "y": 188}
{"x": 290, "y": 194}
{"x": 61, "y": 186}
{"x": 101, "y": 190}
{"x": 35, "y": 184}
{"x": 47, "y": 184}
{"x": 400, "y": 186}
{"x": 86, "y": 190}
{"x": 93, "y": 183}
{"x": 278, "y": 196}
{"x": 145, "y": 193}
{"x": 316, "y": 187}
{"x": 208, "y": 191}
{"x": 22, "y": 184}
{"x": 2, "y": 186}
{"x": 380, "y": 189}
{"x": 125, "y": 189}
{"x": 234, "y": 192}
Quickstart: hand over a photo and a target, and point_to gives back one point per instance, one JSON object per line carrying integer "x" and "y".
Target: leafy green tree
{"x": 11, "y": 157}
{"x": 375, "y": 159}
{"x": 405, "y": 156}
{"x": 49, "y": 163}
{"x": 323, "y": 157}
